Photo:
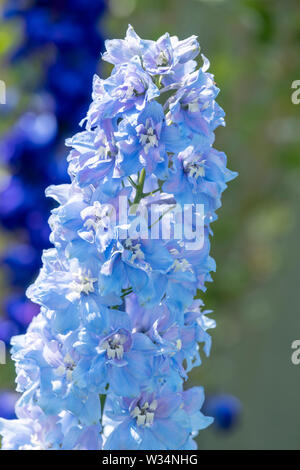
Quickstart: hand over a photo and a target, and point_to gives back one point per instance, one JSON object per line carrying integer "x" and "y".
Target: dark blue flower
{"x": 31, "y": 150}
{"x": 7, "y": 404}
{"x": 226, "y": 410}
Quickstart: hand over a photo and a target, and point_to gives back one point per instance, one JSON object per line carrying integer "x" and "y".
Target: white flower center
{"x": 103, "y": 152}
{"x": 97, "y": 216}
{"x": 66, "y": 368}
{"x": 83, "y": 282}
{"x": 196, "y": 169}
{"x": 149, "y": 139}
{"x": 145, "y": 414}
{"x": 129, "y": 92}
{"x": 162, "y": 59}
{"x": 114, "y": 346}
{"x": 193, "y": 107}
{"x": 181, "y": 265}
{"x": 135, "y": 249}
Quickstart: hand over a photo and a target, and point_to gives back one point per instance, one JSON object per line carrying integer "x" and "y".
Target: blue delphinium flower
{"x": 121, "y": 324}
{"x": 155, "y": 421}
{"x": 34, "y": 430}
{"x": 148, "y": 140}
{"x": 113, "y": 353}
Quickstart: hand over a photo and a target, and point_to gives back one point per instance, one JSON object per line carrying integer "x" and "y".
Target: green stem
{"x": 162, "y": 215}
{"x": 126, "y": 292}
{"x": 102, "y": 399}
{"x": 132, "y": 182}
{"x": 140, "y": 187}
{"x": 152, "y": 192}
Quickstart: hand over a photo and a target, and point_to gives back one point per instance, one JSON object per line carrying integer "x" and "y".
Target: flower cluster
{"x": 121, "y": 324}
{"x": 65, "y": 36}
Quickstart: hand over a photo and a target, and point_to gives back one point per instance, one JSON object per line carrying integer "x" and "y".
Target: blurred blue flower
{"x": 7, "y": 404}
{"x": 20, "y": 310}
{"x": 31, "y": 150}
{"x": 225, "y": 409}
{"x": 23, "y": 262}
{"x": 8, "y": 329}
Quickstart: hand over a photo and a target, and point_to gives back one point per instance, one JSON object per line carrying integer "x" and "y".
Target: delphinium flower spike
{"x": 121, "y": 324}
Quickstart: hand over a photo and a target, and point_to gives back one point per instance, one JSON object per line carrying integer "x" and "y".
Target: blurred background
{"x": 49, "y": 51}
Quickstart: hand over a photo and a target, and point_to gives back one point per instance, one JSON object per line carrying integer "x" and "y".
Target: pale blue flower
{"x": 118, "y": 314}
{"x": 154, "y": 421}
